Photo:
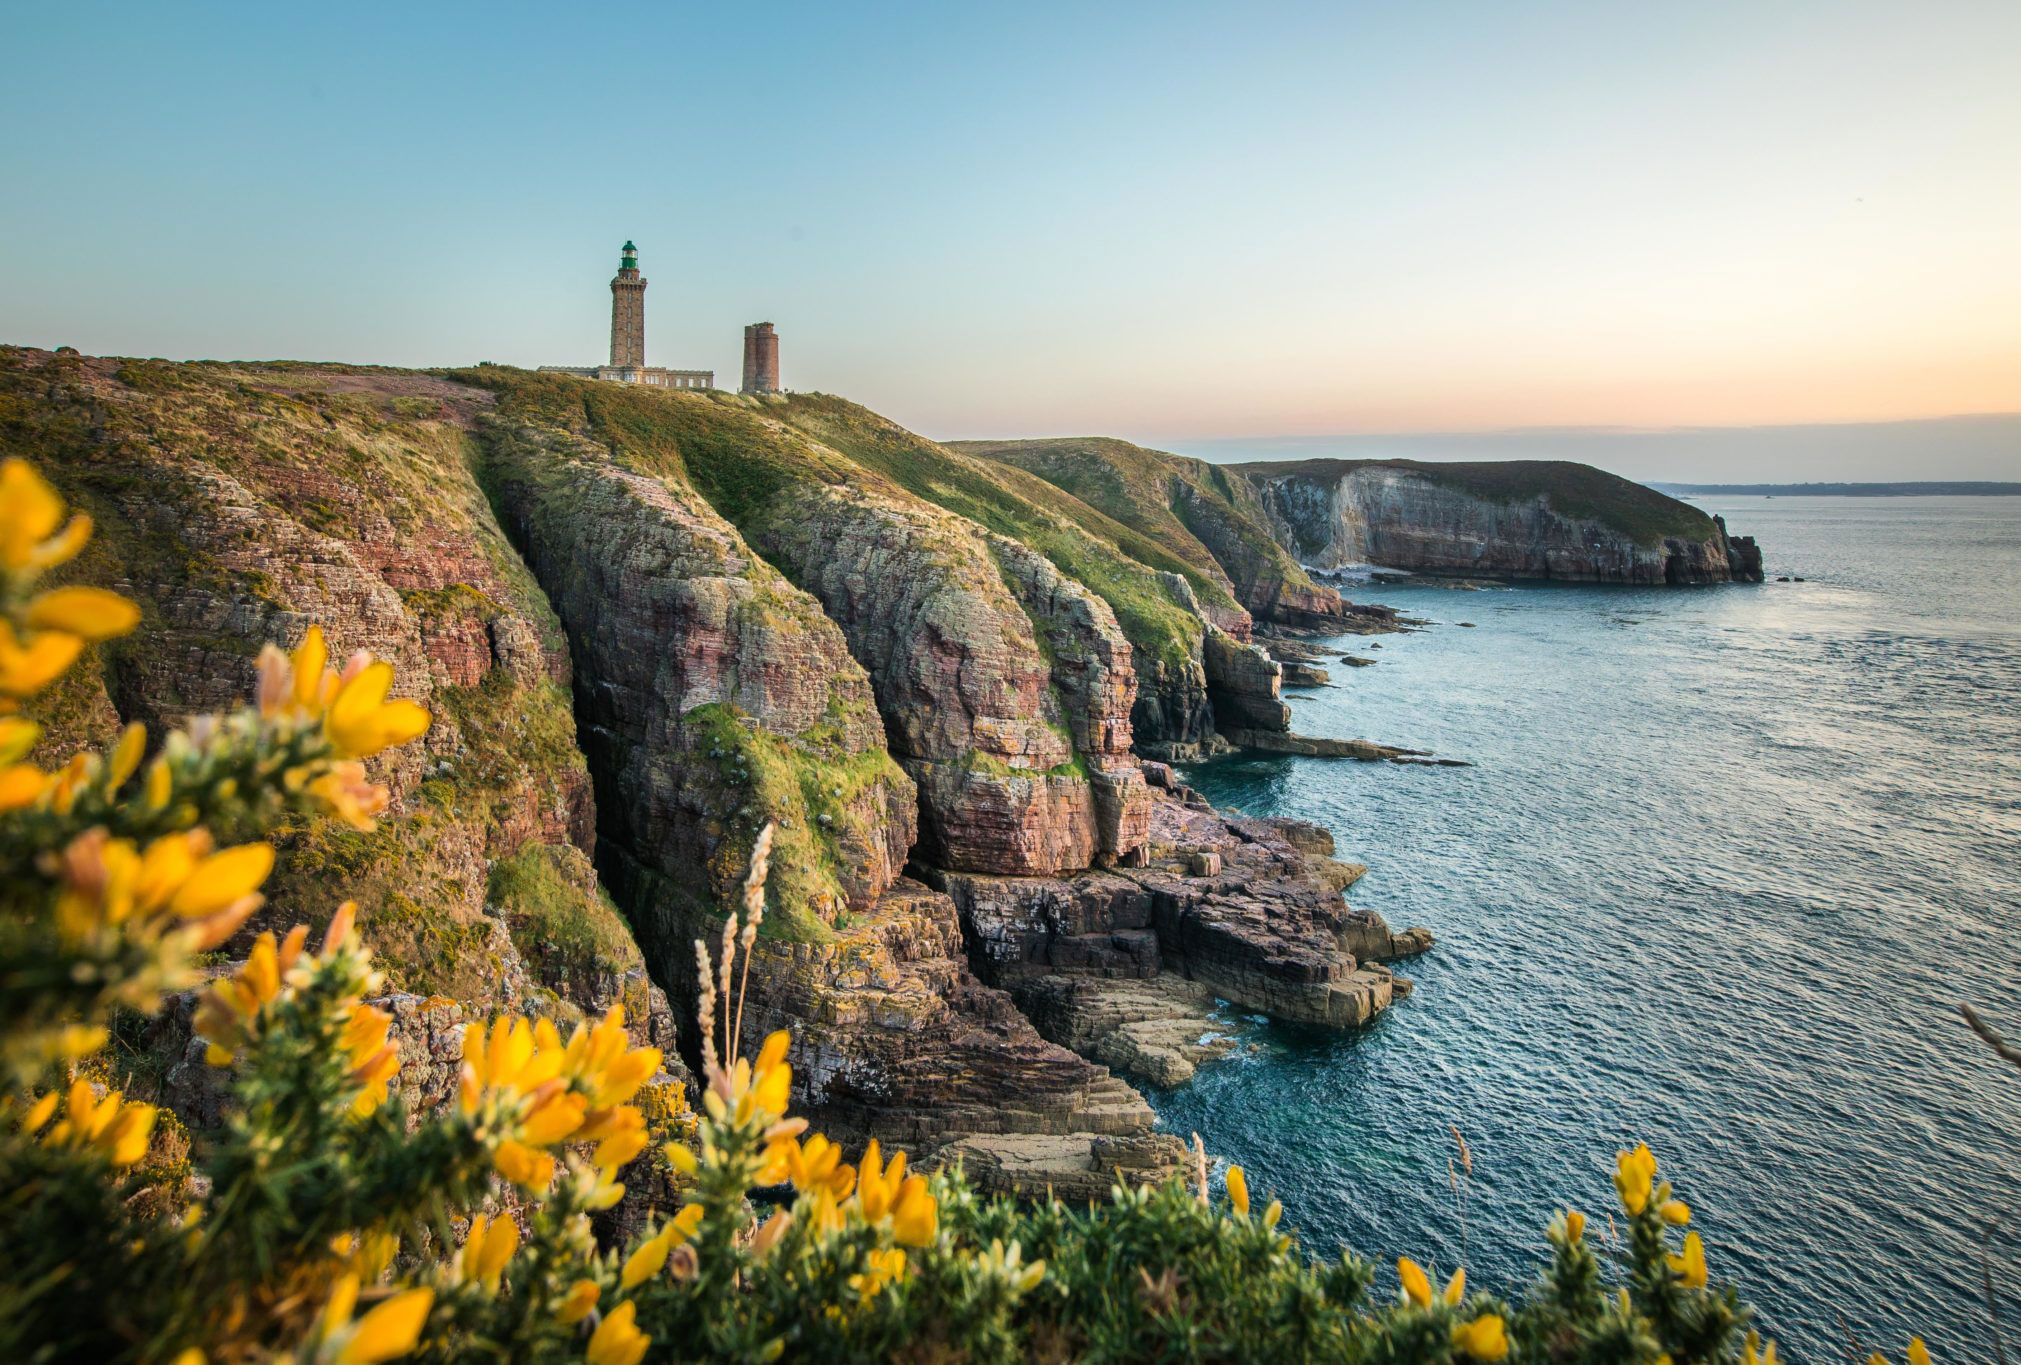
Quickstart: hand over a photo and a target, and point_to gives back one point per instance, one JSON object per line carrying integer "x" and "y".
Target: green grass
{"x": 566, "y": 929}
{"x": 718, "y": 443}
{"x": 813, "y": 789}
{"x": 741, "y": 453}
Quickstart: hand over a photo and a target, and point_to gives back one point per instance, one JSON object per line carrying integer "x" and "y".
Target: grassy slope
{"x": 1577, "y": 491}
{"x": 1141, "y": 488}
{"x": 738, "y": 452}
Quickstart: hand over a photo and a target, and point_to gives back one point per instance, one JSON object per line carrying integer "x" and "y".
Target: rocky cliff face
{"x": 1248, "y": 911}
{"x": 968, "y": 694}
{"x": 713, "y": 696}
{"x": 704, "y": 674}
{"x": 1519, "y": 519}
{"x": 648, "y": 624}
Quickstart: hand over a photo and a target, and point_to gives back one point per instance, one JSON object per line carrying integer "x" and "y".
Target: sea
{"x": 1725, "y": 864}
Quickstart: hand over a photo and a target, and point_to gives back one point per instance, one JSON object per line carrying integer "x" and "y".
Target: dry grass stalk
{"x": 754, "y": 912}
{"x": 705, "y": 1008}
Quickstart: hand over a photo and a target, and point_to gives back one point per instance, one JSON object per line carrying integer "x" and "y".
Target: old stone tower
{"x": 761, "y": 358}
{"x": 628, "y": 313}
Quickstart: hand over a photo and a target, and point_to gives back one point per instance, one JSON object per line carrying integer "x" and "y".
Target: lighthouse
{"x": 628, "y": 313}
{"x": 628, "y": 338}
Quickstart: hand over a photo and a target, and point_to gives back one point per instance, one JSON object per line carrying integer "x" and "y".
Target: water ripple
{"x": 1727, "y": 861}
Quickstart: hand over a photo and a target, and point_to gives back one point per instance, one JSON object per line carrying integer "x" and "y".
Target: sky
{"x": 1191, "y": 225}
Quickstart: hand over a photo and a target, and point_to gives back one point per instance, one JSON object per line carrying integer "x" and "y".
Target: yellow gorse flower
{"x": 231, "y": 1011}
{"x": 356, "y": 716}
{"x": 542, "y": 1091}
{"x": 1008, "y": 1266}
{"x": 1634, "y": 1173}
{"x": 367, "y": 1257}
{"x": 1485, "y": 1338}
{"x": 29, "y": 665}
{"x": 1766, "y": 1356}
{"x": 115, "y": 1130}
{"x": 1417, "y": 1285}
{"x": 374, "y": 1062}
{"x": 1689, "y": 1265}
{"x": 31, "y": 513}
{"x": 487, "y": 1247}
{"x": 879, "y": 1269}
{"x": 1417, "y": 1289}
{"x": 816, "y": 1164}
{"x": 44, "y": 637}
{"x": 577, "y": 1303}
{"x": 617, "y": 1339}
{"x": 389, "y": 1331}
{"x": 1238, "y": 1190}
{"x": 753, "y": 1091}
{"x": 887, "y": 1191}
{"x": 651, "y": 1255}
{"x": 177, "y": 882}
{"x": 91, "y": 614}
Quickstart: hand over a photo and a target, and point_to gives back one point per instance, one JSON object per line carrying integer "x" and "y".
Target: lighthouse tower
{"x": 628, "y": 313}
{"x": 628, "y": 339}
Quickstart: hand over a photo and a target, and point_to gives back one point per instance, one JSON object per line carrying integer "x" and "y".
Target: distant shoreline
{"x": 1910, "y": 489}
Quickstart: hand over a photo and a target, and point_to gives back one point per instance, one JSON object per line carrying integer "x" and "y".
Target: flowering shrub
{"x": 331, "y": 1225}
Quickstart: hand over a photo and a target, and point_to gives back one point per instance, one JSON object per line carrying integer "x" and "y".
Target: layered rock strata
{"x": 1195, "y": 512}
{"x": 1249, "y": 911}
{"x": 1161, "y": 601}
{"x": 1244, "y": 684}
{"x": 713, "y": 696}
{"x": 902, "y": 1042}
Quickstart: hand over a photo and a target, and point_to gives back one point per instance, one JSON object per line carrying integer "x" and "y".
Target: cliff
{"x": 1511, "y": 519}
{"x": 1197, "y": 513}
{"x": 648, "y": 625}
{"x": 1165, "y": 610}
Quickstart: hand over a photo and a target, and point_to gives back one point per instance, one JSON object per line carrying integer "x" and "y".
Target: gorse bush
{"x": 324, "y": 1222}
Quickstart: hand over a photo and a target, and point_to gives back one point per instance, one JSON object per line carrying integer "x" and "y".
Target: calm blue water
{"x": 1728, "y": 859}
